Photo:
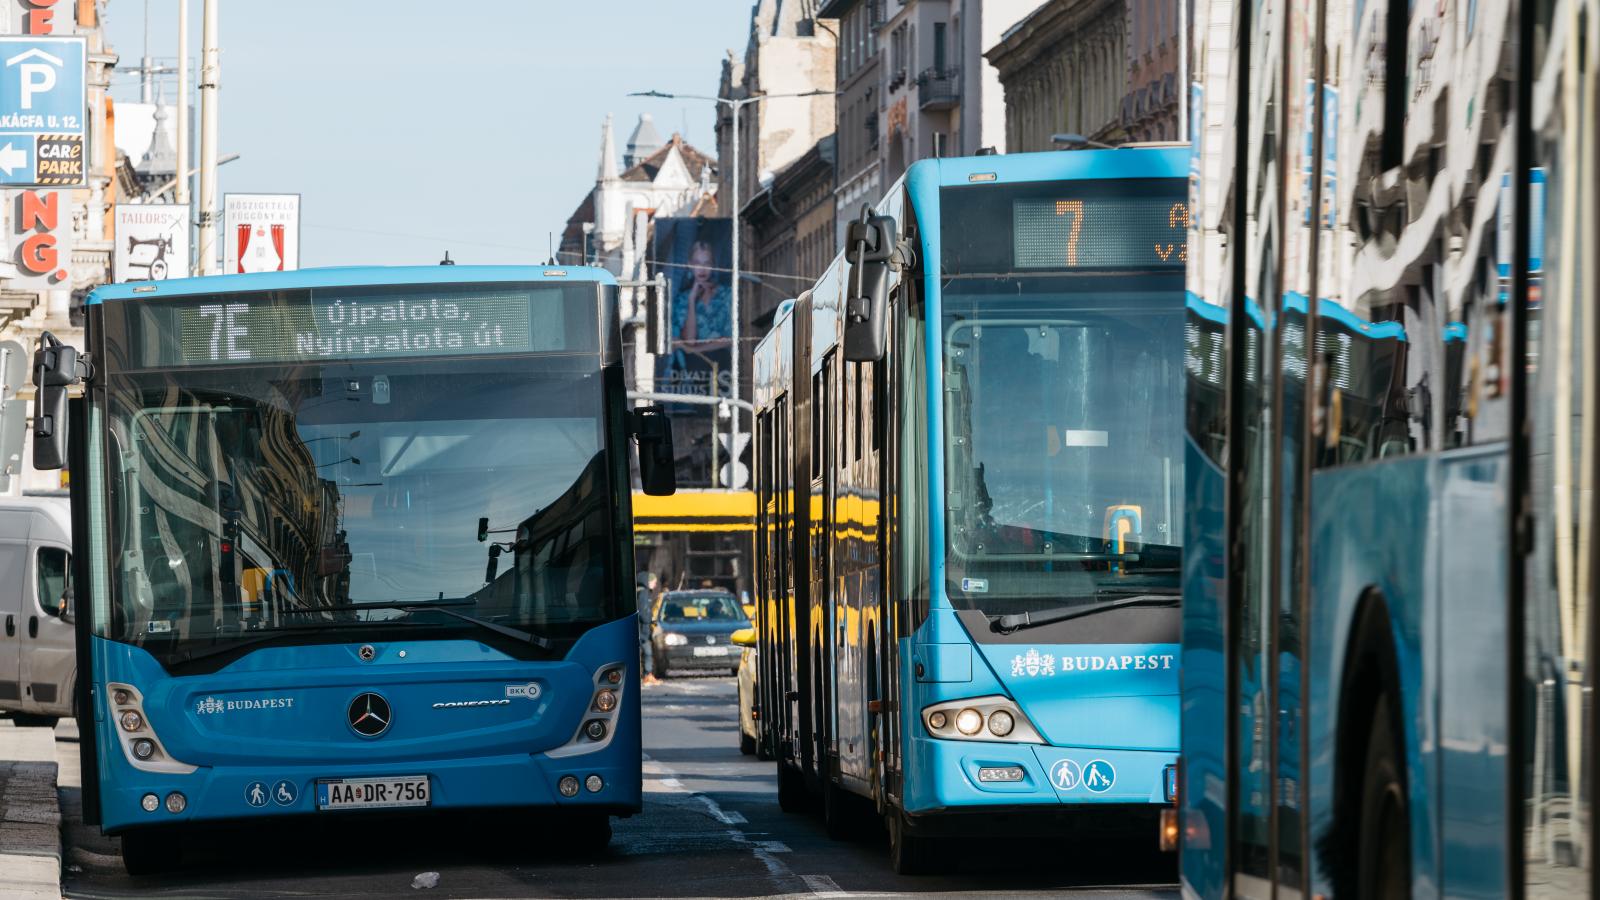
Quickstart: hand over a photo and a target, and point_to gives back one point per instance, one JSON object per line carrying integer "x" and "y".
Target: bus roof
{"x": 1000, "y": 168}
{"x": 343, "y": 276}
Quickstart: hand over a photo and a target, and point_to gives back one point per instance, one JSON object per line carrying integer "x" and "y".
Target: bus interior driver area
{"x": 319, "y": 497}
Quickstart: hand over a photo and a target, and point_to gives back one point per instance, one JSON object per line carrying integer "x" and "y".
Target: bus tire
{"x": 1383, "y": 860}
{"x": 747, "y": 744}
{"x": 150, "y": 851}
{"x": 34, "y": 720}
{"x": 763, "y": 752}
{"x": 836, "y": 812}
{"x": 909, "y": 853}
{"x": 792, "y": 797}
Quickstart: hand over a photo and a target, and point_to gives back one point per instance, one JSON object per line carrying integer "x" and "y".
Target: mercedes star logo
{"x": 367, "y": 653}
{"x": 368, "y": 715}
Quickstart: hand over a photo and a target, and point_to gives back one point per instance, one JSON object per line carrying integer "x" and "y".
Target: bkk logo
{"x": 1036, "y": 664}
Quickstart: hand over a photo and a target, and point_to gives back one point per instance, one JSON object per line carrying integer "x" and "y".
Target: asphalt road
{"x": 711, "y": 827}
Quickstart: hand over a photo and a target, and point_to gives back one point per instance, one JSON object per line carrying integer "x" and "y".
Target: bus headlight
{"x": 673, "y": 639}
{"x": 1001, "y": 723}
{"x": 140, "y": 744}
{"x": 966, "y": 720}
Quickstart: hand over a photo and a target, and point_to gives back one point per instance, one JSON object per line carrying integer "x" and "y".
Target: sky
{"x": 412, "y": 128}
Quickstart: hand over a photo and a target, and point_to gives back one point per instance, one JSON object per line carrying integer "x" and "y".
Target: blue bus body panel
{"x": 280, "y": 714}
{"x": 342, "y": 276}
{"x": 1131, "y": 735}
{"x": 1203, "y": 794}
{"x": 1470, "y": 617}
{"x": 1362, "y": 547}
{"x": 1125, "y": 721}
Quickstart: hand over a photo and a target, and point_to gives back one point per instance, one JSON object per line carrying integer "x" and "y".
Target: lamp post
{"x": 734, "y": 104}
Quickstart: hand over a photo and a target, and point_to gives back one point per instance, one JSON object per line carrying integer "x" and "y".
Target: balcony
{"x": 939, "y": 89}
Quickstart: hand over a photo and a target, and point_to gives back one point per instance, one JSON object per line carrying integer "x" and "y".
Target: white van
{"x": 38, "y": 652}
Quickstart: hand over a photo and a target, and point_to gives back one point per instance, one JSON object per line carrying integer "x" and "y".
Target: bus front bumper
{"x": 1036, "y": 785}
{"x": 481, "y": 782}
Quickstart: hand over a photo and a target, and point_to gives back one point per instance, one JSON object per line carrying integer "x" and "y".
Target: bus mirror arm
{"x": 872, "y": 248}
{"x": 56, "y": 366}
{"x": 652, "y": 429}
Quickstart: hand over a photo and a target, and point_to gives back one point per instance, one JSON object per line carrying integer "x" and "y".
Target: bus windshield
{"x": 311, "y": 499}
{"x": 1063, "y": 438}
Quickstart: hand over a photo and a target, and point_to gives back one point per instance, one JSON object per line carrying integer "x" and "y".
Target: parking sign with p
{"x": 42, "y": 110}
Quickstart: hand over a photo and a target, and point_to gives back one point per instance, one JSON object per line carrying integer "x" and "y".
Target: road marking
{"x": 765, "y": 851}
{"x": 823, "y": 886}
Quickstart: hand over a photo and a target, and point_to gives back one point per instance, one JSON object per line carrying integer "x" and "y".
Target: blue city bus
{"x": 969, "y": 498}
{"x": 1389, "y": 617}
{"x": 352, "y": 540}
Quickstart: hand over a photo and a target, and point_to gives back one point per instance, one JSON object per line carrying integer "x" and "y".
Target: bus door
{"x": 786, "y": 727}
{"x": 806, "y": 701}
{"x": 824, "y": 497}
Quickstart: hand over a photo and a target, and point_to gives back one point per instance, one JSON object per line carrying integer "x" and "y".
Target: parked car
{"x": 747, "y": 675}
{"x": 692, "y": 631}
{"x": 38, "y": 649}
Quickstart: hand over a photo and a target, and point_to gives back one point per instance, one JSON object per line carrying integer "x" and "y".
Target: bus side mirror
{"x": 55, "y": 367}
{"x": 869, "y": 244}
{"x": 658, "y": 474}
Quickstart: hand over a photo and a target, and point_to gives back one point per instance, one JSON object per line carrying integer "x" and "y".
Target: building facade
{"x": 858, "y": 176}
{"x": 58, "y": 241}
{"x": 790, "y": 225}
{"x": 1108, "y": 70}
{"x": 786, "y": 151}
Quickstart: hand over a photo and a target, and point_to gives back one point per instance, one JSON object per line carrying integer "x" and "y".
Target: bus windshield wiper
{"x": 251, "y": 641}
{"x": 442, "y": 606}
{"x": 1009, "y": 623}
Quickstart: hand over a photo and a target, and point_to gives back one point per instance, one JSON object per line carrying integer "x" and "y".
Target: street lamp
{"x": 734, "y": 104}
{"x": 1075, "y": 141}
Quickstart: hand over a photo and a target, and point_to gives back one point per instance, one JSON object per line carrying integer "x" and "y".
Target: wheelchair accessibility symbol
{"x": 1066, "y": 775}
{"x": 1099, "y": 776}
{"x": 284, "y": 793}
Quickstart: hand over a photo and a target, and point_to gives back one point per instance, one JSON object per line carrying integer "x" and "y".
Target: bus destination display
{"x": 287, "y": 329}
{"x": 1104, "y": 232}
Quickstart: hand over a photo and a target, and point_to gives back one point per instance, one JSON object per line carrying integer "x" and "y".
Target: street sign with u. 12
{"x": 42, "y": 110}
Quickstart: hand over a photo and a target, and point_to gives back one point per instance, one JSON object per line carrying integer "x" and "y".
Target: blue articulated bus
{"x": 1386, "y": 664}
{"x": 352, "y": 540}
{"x": 969, "y": 483}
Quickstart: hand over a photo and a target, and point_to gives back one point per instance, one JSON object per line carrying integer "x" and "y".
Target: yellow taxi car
{"x": 750, "y": 743}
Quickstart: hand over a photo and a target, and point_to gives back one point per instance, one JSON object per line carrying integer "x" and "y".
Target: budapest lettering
{"x": 1036, "y": 664}
{"x": 212, "y": 706}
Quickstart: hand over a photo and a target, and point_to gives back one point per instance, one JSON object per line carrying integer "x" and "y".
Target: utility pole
{"x": 733, "y": 297}
{"x": 208, "y": 141}
{"x": 182, "y": 195}
{"x": 146, "y": 64}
